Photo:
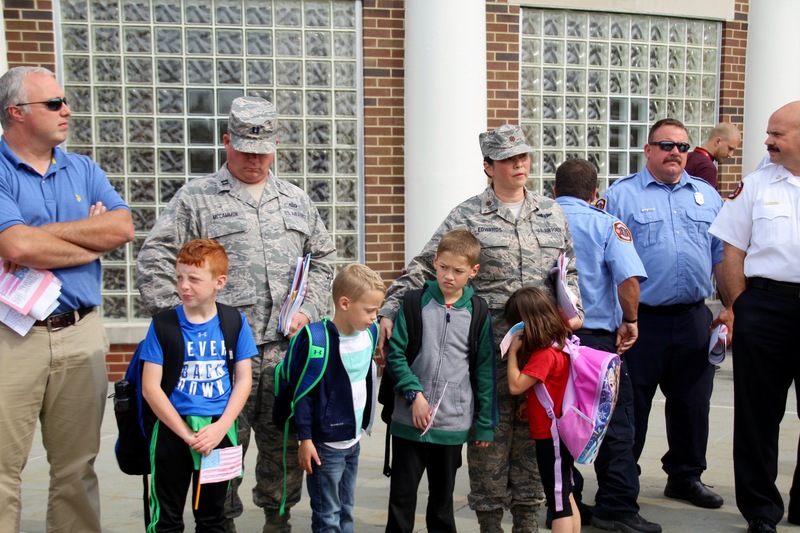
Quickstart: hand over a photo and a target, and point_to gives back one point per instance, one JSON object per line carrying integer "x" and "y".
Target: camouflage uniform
{"x": 515, "y": 252}
{"x": 263, "y": 239}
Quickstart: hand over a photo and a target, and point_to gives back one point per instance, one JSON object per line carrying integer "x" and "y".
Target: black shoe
{"x": 793, "y": 516}
{"x": 629, "y": 523}
{"x": 694, "y": 492}
{"x": 761, "y": 526}
{"x": 585, "y": 510}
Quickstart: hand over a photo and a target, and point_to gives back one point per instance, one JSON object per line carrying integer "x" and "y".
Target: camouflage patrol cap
{"x": 504, "y": 142}
{"x": 252, "y": 124}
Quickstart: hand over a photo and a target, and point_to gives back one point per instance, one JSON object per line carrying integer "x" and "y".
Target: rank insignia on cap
{"x": 601, "y": 204}
{"x": 622, "y": 232}
{"x": 737, "y": 192}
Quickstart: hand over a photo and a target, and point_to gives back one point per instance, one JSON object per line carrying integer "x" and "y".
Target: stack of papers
{"x": 565, "y": 298}
{"x": 27, "y": 295}
{"x": 294, "y": 300}
{"x": 718, "y": 344}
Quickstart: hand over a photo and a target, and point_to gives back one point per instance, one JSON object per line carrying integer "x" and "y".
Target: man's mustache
{"x": 772, "y": 148}
{"x": 672, "y": 159}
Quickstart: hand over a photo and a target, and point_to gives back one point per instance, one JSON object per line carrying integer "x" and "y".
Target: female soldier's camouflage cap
{"x": 252, "y": 124}
{"x": 504, "y": 142}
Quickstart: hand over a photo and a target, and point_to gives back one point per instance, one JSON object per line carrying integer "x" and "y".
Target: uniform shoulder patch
{"x": 737, "y": 192}
{"x": 600, "y": 204}
{"x": 622, "y": 232}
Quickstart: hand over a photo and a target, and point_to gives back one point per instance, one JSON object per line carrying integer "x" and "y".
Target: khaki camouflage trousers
{"x": 257, "y": 415}
{"x": 506, "y": 473}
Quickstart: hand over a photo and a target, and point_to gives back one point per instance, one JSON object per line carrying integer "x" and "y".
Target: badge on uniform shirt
{"x": 734, "y": 194}
{"x": 698, "y": 198}
{"x": 622, "y": 232}
{"x": 600, "y": 204}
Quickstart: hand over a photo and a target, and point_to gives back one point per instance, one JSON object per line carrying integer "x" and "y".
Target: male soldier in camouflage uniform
{"x": 521, "y": 235}
{"x": 265, "y": 224}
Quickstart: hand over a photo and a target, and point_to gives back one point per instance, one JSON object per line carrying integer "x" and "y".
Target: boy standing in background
{"x": 331, "y": 418}
{"x": 200, "y": 413}
{"x": 434, "y": 396}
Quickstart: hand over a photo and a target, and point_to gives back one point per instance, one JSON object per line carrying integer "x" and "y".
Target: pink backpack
{"x": 589, "y": 401}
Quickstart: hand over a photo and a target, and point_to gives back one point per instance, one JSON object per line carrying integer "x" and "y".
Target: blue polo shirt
{"x": 71, "y": 185}
{"x": 605, "y": 257}
{"x": 670, "y": 233}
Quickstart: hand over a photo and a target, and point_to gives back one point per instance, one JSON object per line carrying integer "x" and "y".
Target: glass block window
{"x": 592, "y": 84}
{"x": 150, "y": 84}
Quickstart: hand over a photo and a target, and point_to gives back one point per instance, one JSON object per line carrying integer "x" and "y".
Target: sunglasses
{"x": 54, "y": 104}
{"x": 667, "y": 146}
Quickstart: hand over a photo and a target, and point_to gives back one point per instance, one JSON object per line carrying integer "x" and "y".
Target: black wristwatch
{"x": 411, "y": 395}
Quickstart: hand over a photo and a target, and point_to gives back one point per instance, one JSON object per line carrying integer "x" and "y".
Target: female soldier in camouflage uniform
{"x": 521, "y": 235}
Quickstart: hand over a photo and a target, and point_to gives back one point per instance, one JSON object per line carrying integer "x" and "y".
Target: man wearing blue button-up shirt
{"x": 610, "y": 272}
{"x": 669, "y": 213}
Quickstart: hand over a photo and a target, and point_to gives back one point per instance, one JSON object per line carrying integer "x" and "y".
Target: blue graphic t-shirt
{"x": 204, "y": 386}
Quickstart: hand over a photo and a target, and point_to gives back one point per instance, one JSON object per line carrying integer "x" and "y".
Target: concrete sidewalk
{"x": 122, "y": 506}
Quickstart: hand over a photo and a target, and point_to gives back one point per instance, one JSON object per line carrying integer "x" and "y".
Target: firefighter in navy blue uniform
{"x": 760, "y": 225}
{"x": 611, "y": 271}
{"x": 669, "y": 213}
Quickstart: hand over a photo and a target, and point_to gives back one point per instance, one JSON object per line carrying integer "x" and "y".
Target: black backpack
{"x": 412, "y": 311}
{"x": 135, "y": 418}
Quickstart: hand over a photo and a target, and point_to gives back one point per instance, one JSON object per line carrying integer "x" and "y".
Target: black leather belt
{"x": 671, "y": 310}
{"x": 63, "y": 320}
{"x": 590, "y": 331}
{"x": 771, "y": 285}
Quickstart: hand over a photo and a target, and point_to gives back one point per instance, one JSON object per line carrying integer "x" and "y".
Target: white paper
{"x": 506, "y": 342}
{"x": 25, "y": 287}
{"x": 434, "y": 410}
{"x": 295, "y": 297}
{"x": 566, "y": 299}
{"x": 27, "y": 295}
{"x": 16, "y": 321}
{"x": 48, "y": 301}
{"x": 718, "y": 344}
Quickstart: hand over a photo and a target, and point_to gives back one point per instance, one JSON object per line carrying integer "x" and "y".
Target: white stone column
{"x": 772, "y": 77}
{"x": 445, "y": 110}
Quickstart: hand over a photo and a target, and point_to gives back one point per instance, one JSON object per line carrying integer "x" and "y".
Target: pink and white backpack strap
{"x": 544, "y": 398}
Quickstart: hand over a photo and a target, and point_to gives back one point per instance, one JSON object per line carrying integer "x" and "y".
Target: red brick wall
{"x": 117, "y": 360}
{"x": 29, "y": 33}
{"x": 384, "y": 133}
{"x": 731, "y": 97}
{"x": 502, "y": 63}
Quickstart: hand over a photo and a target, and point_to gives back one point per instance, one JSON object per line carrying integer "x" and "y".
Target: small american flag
{"x": 221, "y": 465}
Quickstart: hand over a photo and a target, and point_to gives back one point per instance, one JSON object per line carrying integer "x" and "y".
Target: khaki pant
{"x": 60, "y": 379}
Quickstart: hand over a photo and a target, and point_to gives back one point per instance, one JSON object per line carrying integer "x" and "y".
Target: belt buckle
{"x": 51, "y": 328}
{"x": 61, "y": 317}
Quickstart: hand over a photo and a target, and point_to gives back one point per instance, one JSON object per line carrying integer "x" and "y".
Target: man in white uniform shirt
{"x": 760, "y": 225}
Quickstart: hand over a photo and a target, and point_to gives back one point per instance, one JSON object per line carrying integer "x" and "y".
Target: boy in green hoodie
{"x": 435, "y": 404}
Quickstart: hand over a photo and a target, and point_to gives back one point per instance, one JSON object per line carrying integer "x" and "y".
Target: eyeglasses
{"x": 54, "y": 104}
{"x": 667, "y": 146}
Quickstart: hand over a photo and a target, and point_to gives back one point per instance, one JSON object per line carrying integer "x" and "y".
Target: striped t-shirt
{"x": 356, "y": 353}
